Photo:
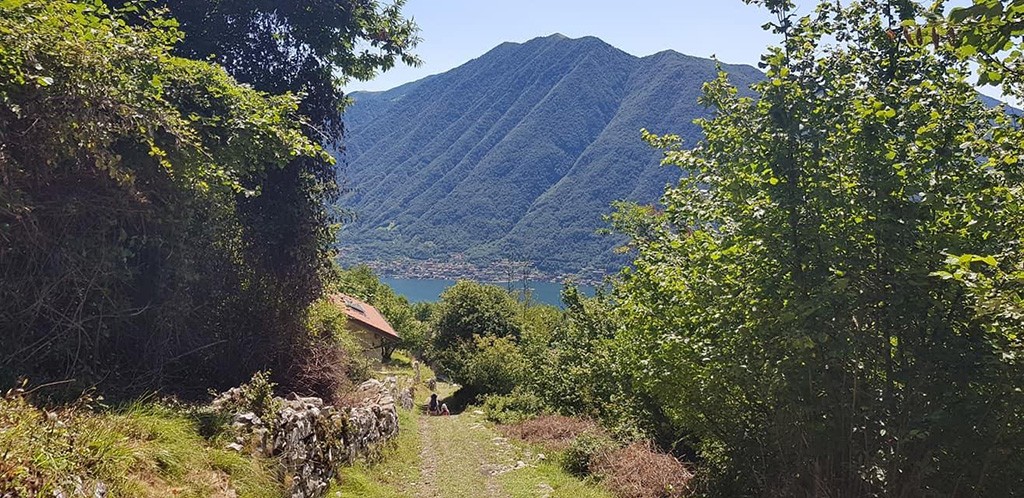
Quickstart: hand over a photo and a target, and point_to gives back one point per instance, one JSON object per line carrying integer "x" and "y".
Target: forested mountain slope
{"x": 518, "y": 153}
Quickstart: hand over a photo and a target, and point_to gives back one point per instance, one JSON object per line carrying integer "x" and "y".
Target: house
{"x": 370, "y": 328}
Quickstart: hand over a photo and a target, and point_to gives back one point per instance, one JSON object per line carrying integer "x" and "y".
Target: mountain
{"x": 517, "y": 154}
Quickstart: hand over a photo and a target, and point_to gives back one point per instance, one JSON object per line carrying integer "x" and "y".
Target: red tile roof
{"x": 365, "y": 314}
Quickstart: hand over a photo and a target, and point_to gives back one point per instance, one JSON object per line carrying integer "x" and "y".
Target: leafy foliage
{"x": 255, "y": 396}
{"x": 309, "y": 48}
{"x": 584, "y": 451}
{"x": 474, "y": 333}
{"x": 517, "y": 406}
{"x": 492, "y": 365}
{"x": 469, "y": 309}
{"x": 123, "y": 167}
{"x": 784, "y": 310}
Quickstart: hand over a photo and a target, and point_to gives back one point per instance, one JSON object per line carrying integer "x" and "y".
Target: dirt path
{"x": 428, "y": 465}
{"x": 460, "y": 455}
{"x": 457, "y": 456}
{"x": 464, "y": 456}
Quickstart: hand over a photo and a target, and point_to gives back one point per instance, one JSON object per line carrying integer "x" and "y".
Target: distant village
{"x": 461, "y": 269}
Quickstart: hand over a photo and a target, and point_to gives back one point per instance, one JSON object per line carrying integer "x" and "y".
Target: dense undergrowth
{"x": 829, "y": 304}
{"x": 165, "y": 227}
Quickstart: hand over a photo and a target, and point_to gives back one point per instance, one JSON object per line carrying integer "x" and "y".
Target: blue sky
{"x": 455, "y": 31}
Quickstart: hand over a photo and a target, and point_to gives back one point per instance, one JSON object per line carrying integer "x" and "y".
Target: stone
{"x": 312, "y": 439}
{"x": 545, "y": 489}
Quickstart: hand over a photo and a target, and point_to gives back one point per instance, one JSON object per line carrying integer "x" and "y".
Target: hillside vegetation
{"x": 164, "y": 226}
{"x": 517, "y": 154}
{"x": 828, "y": 300}
{"x": 828, "y": 304}
{"x": 165, "y": 230}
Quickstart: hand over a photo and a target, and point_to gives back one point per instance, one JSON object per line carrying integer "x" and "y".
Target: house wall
{"x": 368, "y": 340}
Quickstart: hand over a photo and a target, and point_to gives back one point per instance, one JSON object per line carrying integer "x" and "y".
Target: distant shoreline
{"x": 533, "y": 291}
{"x": 456, "y": 269}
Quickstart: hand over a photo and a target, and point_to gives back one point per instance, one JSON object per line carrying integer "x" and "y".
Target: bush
{"x": 554, "y": 432}
{"x": 256, "y": 396}
{"x": 583, "y": 452}
{"x": 330, "y": 359}
{"x": 517, "y": 406}
{"x": 469, "y": 309}
{"x": 492, "y": 365}
{"x": 123, "y": 251}
{"x": 639, "y": 471}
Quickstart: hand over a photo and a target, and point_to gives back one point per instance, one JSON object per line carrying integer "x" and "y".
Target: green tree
{"x": 309, "y": 48}
{"x": 494, "y": 365}
{"x": 786, "y": 312}
{"x": 467, "y": 312}
{"x": 991, "y": 33}
{"x": 579, "y": 369}
{"x": 122, "y": 171}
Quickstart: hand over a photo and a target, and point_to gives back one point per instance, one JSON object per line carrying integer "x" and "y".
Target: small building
{"x": 371, "y": 329}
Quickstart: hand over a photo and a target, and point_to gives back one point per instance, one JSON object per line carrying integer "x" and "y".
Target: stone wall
{"x": 312, "y": 439}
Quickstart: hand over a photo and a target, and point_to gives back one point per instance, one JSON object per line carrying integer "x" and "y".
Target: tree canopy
{"x": 791, "y": 311}
{"x": 303, "y": 46}
{"x": 163, "y": 211}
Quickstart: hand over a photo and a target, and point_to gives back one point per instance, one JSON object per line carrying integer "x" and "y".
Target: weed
{"x": 640, "y": 471}
{"x": 553, "y": 432}
{"x": 583, "y": 451}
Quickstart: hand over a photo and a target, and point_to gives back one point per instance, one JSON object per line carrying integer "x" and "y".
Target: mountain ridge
{"x": 518, "y": 153}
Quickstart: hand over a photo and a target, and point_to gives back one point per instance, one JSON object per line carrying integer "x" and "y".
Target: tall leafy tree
{"x": 991, "y": 33}
{"x": 468, "y": 323}
{"x": 309, "y": 48}
{"x": 786, "y": 309}
{"x": 122, "y": 169}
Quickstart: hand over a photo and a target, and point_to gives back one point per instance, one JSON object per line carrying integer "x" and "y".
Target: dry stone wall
{"x": 311, "y": 439}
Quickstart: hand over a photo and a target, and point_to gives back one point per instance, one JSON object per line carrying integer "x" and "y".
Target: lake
{"x": 429, "y": 289}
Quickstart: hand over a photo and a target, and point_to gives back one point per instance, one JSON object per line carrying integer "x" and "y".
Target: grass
{"x": 549, "y": 474}
{"x": 457, "y": 456}
{"x": 138, "y": 450}
{"x": 389, "y": 476}
{"x": 472, "y": 456}
{"x": 398, "y": 467}
{"x": 157, "y": 450}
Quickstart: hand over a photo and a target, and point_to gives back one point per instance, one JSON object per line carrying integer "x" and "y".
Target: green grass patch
{"x": 548, "y": 476}
{"x": 138, "y": 450}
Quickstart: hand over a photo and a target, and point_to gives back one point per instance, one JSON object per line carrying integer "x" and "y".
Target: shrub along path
{"x": 460, "y": 456}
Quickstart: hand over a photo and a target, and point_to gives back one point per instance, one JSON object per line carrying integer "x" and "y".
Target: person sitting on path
{"x": 433, "y": 407}
{"x": 437, "y": 408}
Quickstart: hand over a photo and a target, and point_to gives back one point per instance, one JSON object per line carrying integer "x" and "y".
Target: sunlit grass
{"x": 137, "y": 450}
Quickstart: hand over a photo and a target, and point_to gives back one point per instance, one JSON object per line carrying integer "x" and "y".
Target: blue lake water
{"x": 429, "y": 289}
